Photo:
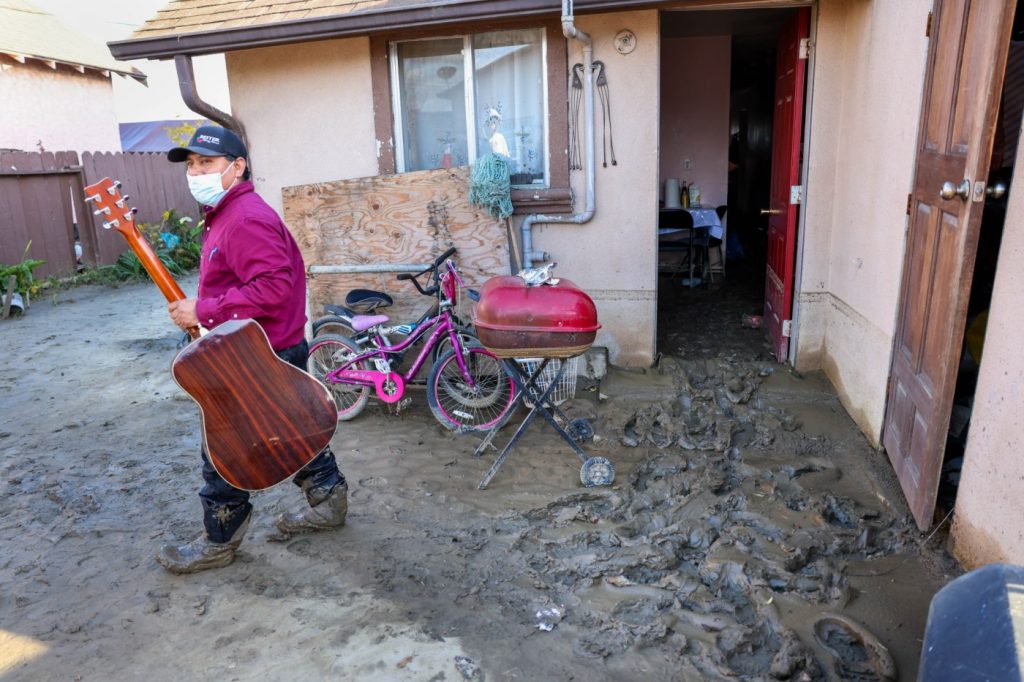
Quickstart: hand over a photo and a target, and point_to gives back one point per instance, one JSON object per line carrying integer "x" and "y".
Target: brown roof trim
{"x": 353, "y": 24}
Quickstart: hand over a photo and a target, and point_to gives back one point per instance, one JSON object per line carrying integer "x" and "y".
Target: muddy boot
{"x": 327, "y": 509}
{"x": 202, "y": 553}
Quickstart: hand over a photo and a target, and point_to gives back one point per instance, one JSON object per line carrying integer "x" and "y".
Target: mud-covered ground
{"x": 751, "y": 532}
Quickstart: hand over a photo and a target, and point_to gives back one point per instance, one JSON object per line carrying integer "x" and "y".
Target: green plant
{"x": 185, "y": 243}
{"x": 26, "y": 282}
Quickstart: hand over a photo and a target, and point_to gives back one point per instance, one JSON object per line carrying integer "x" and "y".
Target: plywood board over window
{"x": 392, "y": 219}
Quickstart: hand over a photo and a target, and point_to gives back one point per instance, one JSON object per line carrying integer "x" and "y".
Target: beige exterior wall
{"x": 59, "y": 109}
{"x": 989, "y": 521}
{"x": 868, "y": 74}
{"x": 307, "y": 111}
{"x": 613, "y": 257}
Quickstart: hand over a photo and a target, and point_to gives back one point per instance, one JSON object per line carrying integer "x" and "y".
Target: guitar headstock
{"x": 106, "y": 195}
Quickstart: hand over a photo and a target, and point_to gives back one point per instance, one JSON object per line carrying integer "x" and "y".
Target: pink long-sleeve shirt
{"x": 251, "y": 268}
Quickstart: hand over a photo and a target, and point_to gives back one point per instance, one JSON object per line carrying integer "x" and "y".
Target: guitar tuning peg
{"x": 135, "y": 211}
{"x": 112, "y": 223}
{"x": 117, "y": 184}
{"x": 98, "y": 211}
{"x": 126, "y": 197}
{"x": 92, "y": 197}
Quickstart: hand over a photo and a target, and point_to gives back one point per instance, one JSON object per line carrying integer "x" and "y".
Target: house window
{"x": 458, "y": 98}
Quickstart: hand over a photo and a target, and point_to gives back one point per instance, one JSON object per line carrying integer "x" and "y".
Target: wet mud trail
{"x": 751, "y": 533}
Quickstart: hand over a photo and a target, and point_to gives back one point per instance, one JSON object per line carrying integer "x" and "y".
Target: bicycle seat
{"x": 363, "y": 322}
{"x": 367, "y": 300}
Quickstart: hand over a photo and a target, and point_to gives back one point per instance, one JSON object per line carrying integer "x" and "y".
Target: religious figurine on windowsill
{"x": 497, "y": 141}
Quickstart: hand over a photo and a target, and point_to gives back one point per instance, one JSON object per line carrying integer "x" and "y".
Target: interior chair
{"x": 716, "y": 250}
{"x": 674, "y": 247}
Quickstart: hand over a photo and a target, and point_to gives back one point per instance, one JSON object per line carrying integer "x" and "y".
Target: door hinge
{"x": 910, "y": 198}
{"x": 787, "y": 328}
{"x": 805, "y": 48}
{"x": 796, "y": 194}
{"x": 928, "y": 27}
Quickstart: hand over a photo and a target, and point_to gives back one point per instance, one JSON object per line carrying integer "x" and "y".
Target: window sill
{"x": 552, "y": 200}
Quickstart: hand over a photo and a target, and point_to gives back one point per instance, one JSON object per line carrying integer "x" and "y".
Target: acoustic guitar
{"x": 263, "y": 419}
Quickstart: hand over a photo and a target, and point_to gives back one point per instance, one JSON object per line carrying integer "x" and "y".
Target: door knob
{"x": 996, "y": 191}
{"x": 771, "y": 211}
{"x": 949, "y": 190}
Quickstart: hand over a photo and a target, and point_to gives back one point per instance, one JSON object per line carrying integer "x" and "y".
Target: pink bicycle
{"x": 467, "y": 389}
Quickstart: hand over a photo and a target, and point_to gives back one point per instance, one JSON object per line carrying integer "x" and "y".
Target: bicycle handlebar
{"x": 433, "y": 289}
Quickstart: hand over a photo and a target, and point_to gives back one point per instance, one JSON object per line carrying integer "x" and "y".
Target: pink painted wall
{"x": 695, "y": 113}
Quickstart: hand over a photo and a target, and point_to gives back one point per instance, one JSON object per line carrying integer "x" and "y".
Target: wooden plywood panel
{"x": 392, "y": 219}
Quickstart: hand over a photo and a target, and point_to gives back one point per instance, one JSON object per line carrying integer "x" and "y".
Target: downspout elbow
{"x": 190, "y": 95}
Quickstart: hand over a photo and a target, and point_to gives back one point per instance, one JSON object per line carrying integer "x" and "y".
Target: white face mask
{"x": 207, "y": 189}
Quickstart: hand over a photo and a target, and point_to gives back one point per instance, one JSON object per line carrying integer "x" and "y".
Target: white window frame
{"x": 469, "y": 69}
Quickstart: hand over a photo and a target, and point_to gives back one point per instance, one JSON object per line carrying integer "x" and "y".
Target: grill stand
{"x": 595, "y": 470}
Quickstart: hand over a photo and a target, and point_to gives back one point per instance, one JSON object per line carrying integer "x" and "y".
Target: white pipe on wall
{"x": 570, "y": 31}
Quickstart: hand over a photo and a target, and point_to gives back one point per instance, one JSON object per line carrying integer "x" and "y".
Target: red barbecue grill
{"x": 551, "y": 319}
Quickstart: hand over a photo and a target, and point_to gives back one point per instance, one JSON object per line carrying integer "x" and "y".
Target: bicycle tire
{"x": 327, "y": 353}
{"x": 338, "y": 325}
{"x": 458, "y": 407}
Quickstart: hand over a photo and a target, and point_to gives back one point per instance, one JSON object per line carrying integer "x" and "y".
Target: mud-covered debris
{"x": 857, "y": 654}
{"x": 548, "y": 618}
{"x": 470, "y": 670}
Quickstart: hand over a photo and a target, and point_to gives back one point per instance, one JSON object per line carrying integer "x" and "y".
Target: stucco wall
{"x": 61, "y": 109}
{"x": 695, "y": 113}
{"x": 613, "y": 257}
{"x": 868, "y": 73}
{"x": 989, "y": 521}
{"x": 307, "y": 111}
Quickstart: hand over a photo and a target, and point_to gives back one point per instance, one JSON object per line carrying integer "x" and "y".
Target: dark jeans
{"x": 225, "y": 507}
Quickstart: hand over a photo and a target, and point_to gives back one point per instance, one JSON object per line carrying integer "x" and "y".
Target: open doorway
{"x": 717, "y": 105}
{"x": 1004, "y": 155}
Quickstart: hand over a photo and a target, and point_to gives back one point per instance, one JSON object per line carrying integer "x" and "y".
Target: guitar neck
{"x": 156, "y": 269}
{"x": 116, "y": 215}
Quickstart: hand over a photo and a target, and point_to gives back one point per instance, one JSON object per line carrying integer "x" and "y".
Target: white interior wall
{"x": 695, "y": 114}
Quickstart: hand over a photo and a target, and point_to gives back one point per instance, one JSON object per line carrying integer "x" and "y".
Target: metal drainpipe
{"x": 190, "y": 95}
{"x": 569, "y": 30}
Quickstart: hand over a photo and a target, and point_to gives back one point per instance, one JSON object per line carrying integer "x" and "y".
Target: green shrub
{"x": 26, "y": 282}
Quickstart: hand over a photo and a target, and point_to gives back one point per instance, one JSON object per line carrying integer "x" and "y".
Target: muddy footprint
{"x": 857, "y": 654}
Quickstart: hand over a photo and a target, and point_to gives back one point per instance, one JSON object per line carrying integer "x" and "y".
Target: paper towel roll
{"x": 672, "y": 193}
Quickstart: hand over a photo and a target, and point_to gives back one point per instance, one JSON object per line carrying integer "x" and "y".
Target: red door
{"x": 787, "y": 129}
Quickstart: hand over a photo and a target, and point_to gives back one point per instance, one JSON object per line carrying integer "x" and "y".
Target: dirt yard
{"x": 751, "y": 532}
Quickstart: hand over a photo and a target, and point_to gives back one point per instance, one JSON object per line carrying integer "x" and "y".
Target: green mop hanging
{"x": 489, "y": 186}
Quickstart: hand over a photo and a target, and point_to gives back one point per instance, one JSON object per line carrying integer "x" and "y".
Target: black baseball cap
{"x": 211, "y": 141}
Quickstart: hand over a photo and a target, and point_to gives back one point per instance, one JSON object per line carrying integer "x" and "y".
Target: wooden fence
{"x": 42, "y": 200}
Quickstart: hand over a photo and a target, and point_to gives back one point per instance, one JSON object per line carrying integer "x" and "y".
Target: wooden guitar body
{"x": 263, "y": 418}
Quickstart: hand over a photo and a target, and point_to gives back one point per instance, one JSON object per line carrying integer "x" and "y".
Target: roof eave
{"x": 106, "y": 70}
{"x": 347, "y": 25}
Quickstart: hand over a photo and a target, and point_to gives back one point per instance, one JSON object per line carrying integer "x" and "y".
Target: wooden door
{"x": 787, "y": 129}
{"x": 966, "y": 64}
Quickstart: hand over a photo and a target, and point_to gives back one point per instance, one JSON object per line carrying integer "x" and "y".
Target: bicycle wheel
{"x": 485, "y": 405}
{"x": 327, "y": 353}
{"x": 333, "y": 324}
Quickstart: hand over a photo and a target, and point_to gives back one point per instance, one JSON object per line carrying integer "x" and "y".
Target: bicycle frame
{"x": 390, "y": 385}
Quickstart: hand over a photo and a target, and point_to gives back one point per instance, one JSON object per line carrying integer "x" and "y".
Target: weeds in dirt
{"x": 25, "y": 281}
